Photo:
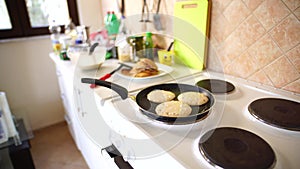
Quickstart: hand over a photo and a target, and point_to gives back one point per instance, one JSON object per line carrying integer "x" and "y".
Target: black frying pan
{"x": 148, "y": 108}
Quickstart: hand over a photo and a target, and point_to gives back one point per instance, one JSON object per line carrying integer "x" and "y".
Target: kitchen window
{"x": 25, "y": 18}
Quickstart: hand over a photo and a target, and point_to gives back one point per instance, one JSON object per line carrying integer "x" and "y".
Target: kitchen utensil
{"x": 108, "y": 75}
{"x": 156, "y": 18}
{"x": 148, "y": 108}
{"x": 191, "y": 16}
{"x": 145, "y": 6}
{"x": 171, "y": 44}
{"x": 92, "y": 48}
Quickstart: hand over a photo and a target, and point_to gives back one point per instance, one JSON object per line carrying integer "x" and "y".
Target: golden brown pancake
{"x": 173, "y": 109}
{"x": 193, "y": 98}
{"x": 159, "y": 96}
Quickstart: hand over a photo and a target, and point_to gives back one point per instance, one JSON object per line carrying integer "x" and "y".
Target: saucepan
{"x": 148, "y": 108}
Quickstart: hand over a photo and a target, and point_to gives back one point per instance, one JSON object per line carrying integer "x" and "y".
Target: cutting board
{"x": 191, "y": 24}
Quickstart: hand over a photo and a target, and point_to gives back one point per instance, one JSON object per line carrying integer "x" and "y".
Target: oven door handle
{"x": 113, "y": 152}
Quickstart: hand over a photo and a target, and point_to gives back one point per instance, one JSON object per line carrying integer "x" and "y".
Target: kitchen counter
{"x": 145, "y": 143}
{"x": 89, "y": 103}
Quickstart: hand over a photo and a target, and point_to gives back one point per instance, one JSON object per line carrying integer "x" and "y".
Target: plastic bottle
{"x": 55, "y": 35}
{"x": 70, "y": 27}
{"x": 114, "y": 24}
{"x": 149, "y": 46}
{"x": 106, "y": 19}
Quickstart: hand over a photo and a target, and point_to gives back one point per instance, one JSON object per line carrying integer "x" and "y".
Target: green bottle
{"x": 114, "y": 24}
{"x": 149, "y": 46}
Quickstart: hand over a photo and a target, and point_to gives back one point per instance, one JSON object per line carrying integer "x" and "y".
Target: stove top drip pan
{"x": 229, "y": 147}
{"x": 216, "y": 86}
{"x": 277, "y": 112}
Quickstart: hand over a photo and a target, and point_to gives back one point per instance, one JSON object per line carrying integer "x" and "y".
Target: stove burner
{"x": 216, "y": 86}
{"x": 229, "y": 147}
{"x": 277, "y": 112}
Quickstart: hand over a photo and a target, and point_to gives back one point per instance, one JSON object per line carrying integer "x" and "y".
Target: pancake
{"x": 193, "y": 98}
{"x": 144, "y": 68}
{"x": 159, "y": 96}
{"x": 173, "y": 109}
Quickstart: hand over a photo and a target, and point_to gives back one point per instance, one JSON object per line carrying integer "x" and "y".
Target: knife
{"x": 108, "y": 75}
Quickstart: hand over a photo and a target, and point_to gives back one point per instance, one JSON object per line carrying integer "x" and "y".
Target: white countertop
{"x": 146, "y": 143}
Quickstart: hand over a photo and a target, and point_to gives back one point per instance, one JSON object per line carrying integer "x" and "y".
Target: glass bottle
{"x": 149, "y": 46}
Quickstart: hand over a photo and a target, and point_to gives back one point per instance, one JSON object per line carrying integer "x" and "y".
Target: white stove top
{"x": 180, "y": 142}
{"x": 146, "y": 143}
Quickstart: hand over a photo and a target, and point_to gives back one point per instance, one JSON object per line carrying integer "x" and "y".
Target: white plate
{"x": 163, "y": 70}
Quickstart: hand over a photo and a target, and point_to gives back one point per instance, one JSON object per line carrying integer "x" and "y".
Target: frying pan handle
{"x": 119, "y": 89}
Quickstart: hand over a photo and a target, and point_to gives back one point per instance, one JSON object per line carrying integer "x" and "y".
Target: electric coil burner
{"x": 216, "y": 86}
{"x": 277, "y": 112}
{"x": 235, "y": 148}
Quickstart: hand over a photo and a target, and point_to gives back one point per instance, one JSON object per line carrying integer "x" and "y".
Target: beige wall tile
{"x": 260, "y": 77}
{"x": 287, "y": 34}
{"x": 250, "y": 31}
{"x": 265, "y": 51}
{"x": 252, "y": 4}
{"x": 294, "y": 86}
{"x": 297, "y": 13}
{"x": 294, "y": 57}
{"x": 236, "y": 12}
{"x": 281, "y": 72}
{"x": 292, "y": 4}
{"x": 220, "y": 5}
{"x": 221, "y": 28}
{"x": 269, "y": 32}
{"x": 271, "y": 12}
{"x": 243, "y": 66}
{"x": 231, "y": 48}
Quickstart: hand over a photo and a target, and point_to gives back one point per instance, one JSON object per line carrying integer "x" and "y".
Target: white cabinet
{"x": 71, "y": 98}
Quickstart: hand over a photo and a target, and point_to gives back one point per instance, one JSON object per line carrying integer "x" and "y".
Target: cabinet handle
{"x": 117, "y": 156}
{"x": 80, "y": 106}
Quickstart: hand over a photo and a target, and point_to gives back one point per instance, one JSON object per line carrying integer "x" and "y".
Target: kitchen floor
{"x": 53, "y": 147}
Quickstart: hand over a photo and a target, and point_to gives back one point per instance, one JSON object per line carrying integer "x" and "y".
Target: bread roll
{"x": 173, "y": 109}
{"x": 159, "y": 96}
{"x": 193, "y": 98}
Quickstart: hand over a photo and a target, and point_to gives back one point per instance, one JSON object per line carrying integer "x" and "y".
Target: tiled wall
{"x": 258, "y": 40}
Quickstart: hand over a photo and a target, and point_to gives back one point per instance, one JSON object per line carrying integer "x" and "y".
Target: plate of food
{"x": 145, "y": 69}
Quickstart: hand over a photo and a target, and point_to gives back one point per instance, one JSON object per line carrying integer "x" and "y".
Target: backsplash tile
{"x": 250, "y": 31}
{"x": 281, "y": 72}
{"x": 292, "y": 4}
{"x": 265, "y": 51}
{"x": 294, "y": 86}
{"x": 252, "y": 4}
{"x": 236, "y": 12}
{"x": 297, "y": 13}
{"x": 287, "y": 34}
{"x": 271, "y": 12}
{"x": 261, "y": 77}
{"x": 243, "y": 66}
{"x": 294, "y": 56}
{"x": 257, "y": 40}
